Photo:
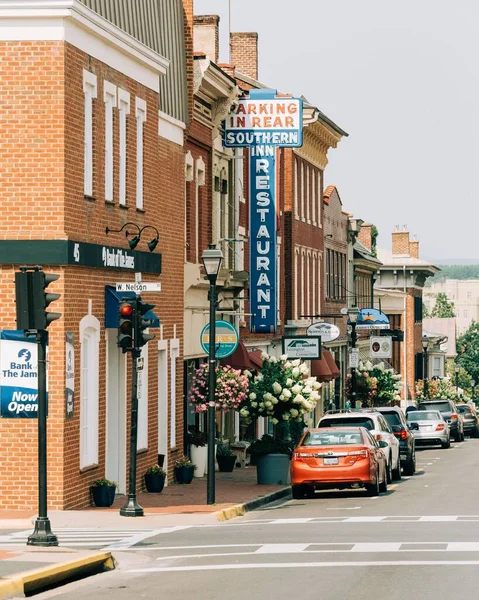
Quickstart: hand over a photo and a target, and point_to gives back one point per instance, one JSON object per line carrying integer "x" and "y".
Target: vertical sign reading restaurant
{"x": 263, "y": 122}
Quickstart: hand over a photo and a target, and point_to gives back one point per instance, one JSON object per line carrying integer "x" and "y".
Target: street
{"x": 421, "y": 539}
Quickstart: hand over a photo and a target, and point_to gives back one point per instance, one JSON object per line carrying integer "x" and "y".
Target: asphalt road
{"x": 420, "y": 540}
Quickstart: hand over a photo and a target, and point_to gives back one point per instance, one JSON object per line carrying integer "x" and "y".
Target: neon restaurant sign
{"x": 264, "y": 122}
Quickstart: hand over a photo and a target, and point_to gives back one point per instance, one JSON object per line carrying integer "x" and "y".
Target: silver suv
{"x": 377, "y": 426}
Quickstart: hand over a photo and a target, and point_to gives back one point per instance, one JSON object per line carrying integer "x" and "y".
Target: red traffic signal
{"x": 126, "y": 322}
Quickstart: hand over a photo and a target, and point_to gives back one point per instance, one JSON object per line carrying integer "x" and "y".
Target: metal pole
{"x": 42, "y": 534}
{"x": 353, "y": 369}
{"x": 210, "y": 496}
{"x": 457, "y": 384}
{"x": 424, "y": 375}
{"x": 132, "y": 508}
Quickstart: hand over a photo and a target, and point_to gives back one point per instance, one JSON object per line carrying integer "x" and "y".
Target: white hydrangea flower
{"x": 293, "y": 412}
{"x": 267, "y": 396}
{"x": 247, "y": 373}
{"x": 289, "y": 382}
{"x": 283, "y": 357}
{"x": 264, "y": 355}
{"x": 285, "y": 417}
{"x": 261, "y": 404}
{"x": 380, "y": 366}
{"x": 268, "y": 404}
{"x": 296, "y": 372}
{"x": 244, "y": 412}
{"x": 303, "y": 368}
{"x": 296, "y": 363}
{"x": 287, "y": 364}
{"x": 259, "y": 377}
{"x": 297, "y": 389}
{"x": 273, "y": 359}
{"x": 274, "y": 421}
{"x": 277, "y": 388}
{"x": 252, "y": 396}
{"x": 317, "y": 385}
{"x": 299, "y": 398}
{"x": 307, "y": 390}
{"x": 274, "y": 400}
{"x": 254, "y": 404}
{"x": 287, "y": 394}
{"x": 308, "y": 422}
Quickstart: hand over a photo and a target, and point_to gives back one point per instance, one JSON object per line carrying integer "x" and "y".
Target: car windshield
{"x": 442, "y": 406}
{"x": 330, "y": 438}
{"x": 351, "y": 421}
{"x": 423, "y": 415}
{"x": 392, "y": 418}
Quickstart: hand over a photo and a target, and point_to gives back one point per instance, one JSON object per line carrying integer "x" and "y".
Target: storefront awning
{"x": 333, "y": 367}
{"x": 242, "y": 359}
{"x": 256, "y": 360}
{"x": 113, "y": 299}
{"x": 320, "y": 369}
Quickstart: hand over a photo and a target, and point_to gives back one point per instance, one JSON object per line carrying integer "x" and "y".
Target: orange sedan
{"x": 338, "y": 458}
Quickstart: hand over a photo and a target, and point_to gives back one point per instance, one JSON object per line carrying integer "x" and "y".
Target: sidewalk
{"x": 176, "y": 506}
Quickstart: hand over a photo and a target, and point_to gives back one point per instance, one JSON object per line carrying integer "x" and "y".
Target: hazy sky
{"x": 402, "y": 78}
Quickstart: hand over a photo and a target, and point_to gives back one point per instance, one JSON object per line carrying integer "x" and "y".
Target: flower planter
{"x": 199, "y": 455}
{"x": 103, "y": 496}
{"x": 226, "y": 464}
{"x": 184, "y": 474}
{"x": 155, "y": 482}
{"x": 273, "y": 469}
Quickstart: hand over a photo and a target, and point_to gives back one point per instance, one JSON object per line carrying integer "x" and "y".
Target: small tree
{"x": 467, "y": 348}
{"x": 443, "y": 309}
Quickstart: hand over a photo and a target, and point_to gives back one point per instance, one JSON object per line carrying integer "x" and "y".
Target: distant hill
{"x": 454, "y": 261}
{"x": 456, "y": 271}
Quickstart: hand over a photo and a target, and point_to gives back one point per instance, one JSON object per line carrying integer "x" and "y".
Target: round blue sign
{"x": 227, "y": 339}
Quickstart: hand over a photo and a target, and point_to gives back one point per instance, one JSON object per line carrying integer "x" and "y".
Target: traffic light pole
{"x": 132, "y": 508}
{"x": 42, "y": 534}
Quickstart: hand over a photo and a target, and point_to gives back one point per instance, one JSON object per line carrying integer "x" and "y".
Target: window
{"x": 417, "y": 309}
{"x": 308, "y": 214}
{"x": 303, "y": 194}
{"x": 465, "y": 314}
{"x": 313, "y": 195}
{"x": 328, "y": 287}
{"x": 140, "y": 119}
{"x": 124, "y": 106}
{"x": 89, "y": 377}
{"x": 109, "y": 98}
{"x": 296, "y": 188}
{"x": 90, "y": 91}
{"x": 436, "y": 366}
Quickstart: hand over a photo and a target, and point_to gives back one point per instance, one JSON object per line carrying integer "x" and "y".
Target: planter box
{"x": 273, "y": 469}
{"x": 154, "y": 483}
{"x": 184, "y": 474}
{"x": 226, "y": 464}
{"x": 199, "y": 456}
{"x": 103, "y": 496}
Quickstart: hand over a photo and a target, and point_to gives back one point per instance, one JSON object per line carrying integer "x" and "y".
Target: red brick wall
{"x": 244, "y": 53}
{"x": 400, "y": 242}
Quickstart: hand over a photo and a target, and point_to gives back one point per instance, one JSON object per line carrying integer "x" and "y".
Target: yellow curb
{"x": 27, "y": 582}
{"x": 238, "y": 510}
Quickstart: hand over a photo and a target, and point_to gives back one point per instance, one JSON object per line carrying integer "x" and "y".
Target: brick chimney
{"x": 400, "y": 243}
{"x": 365, "y": 237}
{"x": 244, "y": 53}
{"x": 414, "y": 248}
{"x": 206, "y": 36}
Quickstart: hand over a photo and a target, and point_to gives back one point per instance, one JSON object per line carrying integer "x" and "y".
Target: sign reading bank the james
{"x": 18, "y": 376}
{"x": 263, "y": 122}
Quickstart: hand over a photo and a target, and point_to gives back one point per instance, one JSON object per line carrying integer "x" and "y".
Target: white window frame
{"x": 296, "y": 280}
{"x": 296, "y": 188}
{"x": 90, "y": 91}
{"x": 142, "y": 393}
{"x": 308, "y": 198}
{"x": 320, "y": 198}
{"x": 89, "y": 390}
{"x": 109, "y": 98}
{"x": 303, "y": 256}
{"x": 303, "y": 213}
{"x": 313, "y": 196}
{"x": 124, "y": 106}
{"x": 140, "y": 112}
{"x": 174, "y": 354}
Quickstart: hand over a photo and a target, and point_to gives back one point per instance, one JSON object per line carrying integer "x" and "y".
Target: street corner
{"x": 53, "y": 575}
{"x": 237, "y": 510}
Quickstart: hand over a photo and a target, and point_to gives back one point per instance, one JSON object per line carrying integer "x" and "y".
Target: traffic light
{"x": 142, "y": 323}
{"x": 126, "y": 325}
{"x": 32, "y": 299}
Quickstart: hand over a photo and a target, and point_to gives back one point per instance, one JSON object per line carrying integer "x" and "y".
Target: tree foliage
{"x": 443, "y": 308}
{"x": 467, "y": 347}
{"x": 455, "y": 272}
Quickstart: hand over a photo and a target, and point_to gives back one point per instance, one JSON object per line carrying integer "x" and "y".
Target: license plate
{"x": 331, "y": 461}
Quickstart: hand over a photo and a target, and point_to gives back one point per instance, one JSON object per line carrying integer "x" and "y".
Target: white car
{"x": 377, "y": 425}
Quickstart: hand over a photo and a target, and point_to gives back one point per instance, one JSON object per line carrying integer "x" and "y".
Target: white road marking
{"x": 344, "y": 508}
{"x": 281, "y": 548}
{"x": 437, "y": 519}
{"x": 309, "y": 565}
{"x": 378, "y": 547}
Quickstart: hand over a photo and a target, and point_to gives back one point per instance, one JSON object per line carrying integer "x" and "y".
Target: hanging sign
{"x": 226, "y": 338}
{"x": 69, "y": 373}
{"x": 326, "y": 331}
{"x": 18, "y": 375}
{"x": 372, "y": 318}
{"x": 380, "y": 347}
{"x": 297, "y": 346}
{"x": 262, "y": 122}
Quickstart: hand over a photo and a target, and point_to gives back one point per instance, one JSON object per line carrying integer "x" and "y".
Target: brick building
{"x": 84, "y": 147}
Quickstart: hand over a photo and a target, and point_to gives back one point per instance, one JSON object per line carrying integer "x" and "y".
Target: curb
{"x": 38, "y": 580}
{"x": 238, "y": 510}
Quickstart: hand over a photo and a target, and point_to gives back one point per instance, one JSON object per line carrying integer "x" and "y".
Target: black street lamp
{"x": 353, "y": 314}
{"x": 212, "y": 258}
{"x": 425, "y": 345}
{"x": 473, "y": 383}
{"x": 457, "y": 368}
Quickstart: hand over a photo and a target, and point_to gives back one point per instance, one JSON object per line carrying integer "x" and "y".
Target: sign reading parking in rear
{"x": 296, "y": 346}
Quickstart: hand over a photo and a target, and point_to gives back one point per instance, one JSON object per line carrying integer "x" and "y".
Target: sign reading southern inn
{"x": 262, "y": 122}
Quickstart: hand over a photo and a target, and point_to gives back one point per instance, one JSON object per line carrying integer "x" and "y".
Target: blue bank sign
{"x": 18, "y": 375}
{"x": 263, "y": 122}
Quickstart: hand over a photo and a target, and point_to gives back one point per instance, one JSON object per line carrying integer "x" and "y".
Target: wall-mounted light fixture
{"x": 134, "y": 241}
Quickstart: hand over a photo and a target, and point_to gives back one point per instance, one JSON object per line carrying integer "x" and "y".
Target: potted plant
{"x": 284, "y": 392}
{"x": 271, "y": 457}
{"x": 155, "y": 479}
{"x": 226, "y": 458}
{"x": 103, "y": 492}
{"x": 184, "y": 470}
{"x": 198, "y": 449}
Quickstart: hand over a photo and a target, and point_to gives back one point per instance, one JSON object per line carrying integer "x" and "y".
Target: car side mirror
{"x": 382, "y": 444}
{"x": 413, "y": 425}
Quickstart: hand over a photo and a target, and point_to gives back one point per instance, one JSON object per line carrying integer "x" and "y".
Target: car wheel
{"x": 462, "y": 436}
{"x": 383, "y": 487}
{"x": 372, "y": 489}
{"x": 457, "y": 436}
{"x": 397, "y": 471}
{"x": 410, "y": 466}
{"x": 309, "y": 491}
{"x": 475, "y": 433}
{"x": 389, "y": 470}
{"x": 446, "y": 444}
{"x": 298, "y": 492}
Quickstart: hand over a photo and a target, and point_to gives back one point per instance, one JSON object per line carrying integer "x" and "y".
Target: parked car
{"x": 470, "y": 419}
{"x": 407, "y": 446}
{"x": 374, "y": 422}
{"x": 338, "y": 458}
{"x": 429, "y": 427}
{"x": 448, "y": 410}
